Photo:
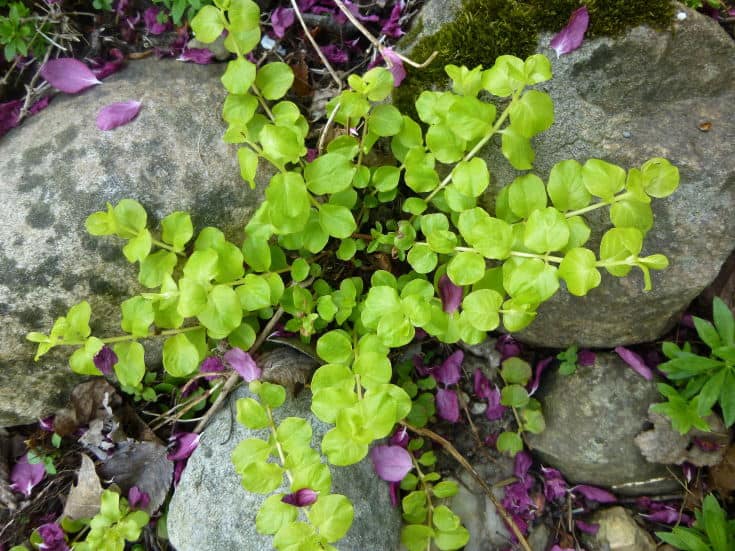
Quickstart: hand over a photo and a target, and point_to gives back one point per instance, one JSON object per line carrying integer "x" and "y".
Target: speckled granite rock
{"x": 592, "y": 418}
{"x": 641, "y": 95}
{"x": 211, "y": 510}
{"x": 57, "y": 168}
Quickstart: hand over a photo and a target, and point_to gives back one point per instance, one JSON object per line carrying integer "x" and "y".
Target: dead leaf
{"x": 84, "y": 498}
{"x": 89, "y": 400}
{"x": 723, "y": 475}
{"x": 141, "y": 464}
{"x": 663, "y": 444}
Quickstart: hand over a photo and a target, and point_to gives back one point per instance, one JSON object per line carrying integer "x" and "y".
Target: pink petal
{"x": 595, "y": 494}
{"x": 521, "y": 465}
{"x": 481, "y": 384}
{"x": 635, "y": 362}
{"x": 68, "y": 75}
{"x": 25, "y": 476}
{"x": 200, "y": 56}
{"x": 448, "y": 372}
{"x": 282, "y": 19}
{"x": 395, "y": 64}
{"x": 495, "y": 410}
{"x": 540, "y": 367}
{"x": 117, "y": 114}
{"x": 391, "y": 463}
{"x": 300, "y": 498}
{"x": 184, "y": 445}
{"x": 451, "y": 295}
{"x": 447, "y": 405}
{"x": 570, "y": 37}
{"x": 586, "y": 527}
{"x": 243, "y": 363}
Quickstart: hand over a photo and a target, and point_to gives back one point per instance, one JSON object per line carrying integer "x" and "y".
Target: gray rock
{"x": 58, "y": 168}
{"x": 592, "y": 418}
{"x": 618, "y": 531}
{"x": 626, "y": 100}
{"x": 211, "y": 510}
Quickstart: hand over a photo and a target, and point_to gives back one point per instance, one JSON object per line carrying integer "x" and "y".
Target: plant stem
{"x": 163, "y": 245}
{"x": 123, "y": 338}
{"x": 466, "y": 465}
{"x": 314, "y": 45}
{"x": 599, "y": 205}
{"x": 544, "y": 257}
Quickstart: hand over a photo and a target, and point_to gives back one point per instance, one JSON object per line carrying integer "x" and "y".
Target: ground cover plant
{"x": 455, "y": 273}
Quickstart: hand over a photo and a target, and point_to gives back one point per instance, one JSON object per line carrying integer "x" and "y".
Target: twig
{"x": 327, "y": 126}
{"x": 314, "y": 45}
{"x": 473, "y": 429}
{"x": 470, "y": 469}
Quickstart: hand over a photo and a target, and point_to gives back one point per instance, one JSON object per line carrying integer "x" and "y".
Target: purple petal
{"x": 342, "y": 19}
{"x": 595, "y": 494}
{"x": 395, "y": 65}
{"x": 495, "y": 410}
{"x": 282, "y": 19}
{"x": 521, "y": 465}
{"x": 559, "y": 548}
{"x": 481, "y": 384}
{"x": 46, "y": 424}
{"x": 586, "y": 357}
{"x": 9, "y": 112}
{"x": 184, "y": 444}
{"x": 449, "y": 371}
{"x": 300, "y": 498}
{"x": 688, "y": 470}
{"x": 400, "y": 438}
{"x": 391, "y": 463}
{"x": 635, "y": 362}
{"x": 570, "y": 37}
{"x": 540, "y": 367}
{"x": 68, "y": 75}
{"x": 106, "y": 68}
{"x": 586, "y": 527}
{"x": 39, "y": 105}
{"x": 451, "y": 295}
{"x": 419, "y": 365}
{"x": 243, "y": 363}
{"x": 200, "y": 56}
{"x": 212, "y": 364}
{"x": 25, "y": 476}
{"x": 392, "y": 26}
{"x": 53, "y": 537}
{"x": 105, "y": 359}
{"x": 508, "y": 347}
{"x": 117, "y": 114}
{"x": 137, "y": 498}
{"x": 516, "y": 498}
{"x": 335, "y": 54}
{"x": 555, "y": 487}
{"x": 394, "y": 488}
{"x": 669, "y": 515}
{"x": 447, "y": 405}
{"x": 152, "y": 25}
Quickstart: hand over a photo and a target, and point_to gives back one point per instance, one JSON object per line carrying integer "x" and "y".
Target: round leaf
{"x": 466, "y": 268}
{"x": 180, "y": 356}
{"x": 274, "y": 80}
{"x": 579, "y": 271}
{"x": 482, "y": 307}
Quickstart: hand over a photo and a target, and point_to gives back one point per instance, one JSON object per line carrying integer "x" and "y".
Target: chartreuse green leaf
{"x": 632, "y": 214}
{"x": 372, "y": 363}
{"x": 481, "y": 308}
{"x": 526, "y": 194}
{"x": 566, "y": 188}
{"x": 579, "y": 271}
{"x": 517, "y": 149}
{"x": 335, "y": 347}
{"x": 130, "y": 218}
{"x": 274, "y": 515}
{"x": 529, "y": 280}
{"x": 465, "y": 82}
{"x": 261, "y": 477}
{"x": 288, "y": 202}
{"x": 332, "y": 516}
{"x": 138, "y": 247}
{"x": 341, "y": 449}
{"x": 251, "y": 413}
{"x": 536, "y": 68}
{"x": 337, "y": 220}
{"x": 77, "y": 321}
{"x": 82, "y": 360}
{"x": 208, "y": 24}
{"x": 385, "y": 120}
{"x": 492, "y": 237}
{"x": 130, "y": 366}
{"x": 177, "y": 230}
{"x": 509, "y": 442}
{"x": 248, "y": 160}
{"x": 378, "y": 84}
{"x": 532, "y": 114}
{"x": 229, "y": 258}
{"x": 579, "y": 232}
{"x": 620, "y": 245}
{"x": 180, "y": 356}
{"x": 603, "y": 179}
{"x": 254, "y": 293}
{"x": 471, "y": 177}
{"x": 297, "y": 536}
{"x": 239, "y": 108}
{"x": 516, "y": 371}
{"x": 274, "y": 80}
{"x": 239, "y": 76}
{"x": 659, "y": 177}
{"x": 546, "y": 230}
{"x": 506, "y": 76}
{"x": 420, "y": 174}
{"x": 270, "y": 394}
{"x": 469, "y": 118}
{"x": 444, "y": 489}
{"x": 329, "y": 173}
{"x": 243, "y": 14}
{"x": 466, "y": 268}
{"x": 421, "y": 258}
{"x": 137, "y": 316}
{"x": 446, "y": 146}
{"x": 222, "y": 313}
{"x": 101, "y": 222}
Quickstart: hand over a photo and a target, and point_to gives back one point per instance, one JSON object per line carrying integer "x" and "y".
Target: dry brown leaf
{"x": 84, "y": 498}
{"x": 723, "y": 475}
{"x": 141, "y": 464}
{"x": 89, "y": 400}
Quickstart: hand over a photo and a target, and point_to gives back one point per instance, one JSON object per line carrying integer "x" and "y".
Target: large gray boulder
{"x": 592, "y": 418}
{"x": 211, "y": 510}
{"x": 58, "y": 168}
{"x": 643, "y": 94}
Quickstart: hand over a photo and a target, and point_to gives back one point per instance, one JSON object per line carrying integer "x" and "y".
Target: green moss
{"x": 485, "y": 29}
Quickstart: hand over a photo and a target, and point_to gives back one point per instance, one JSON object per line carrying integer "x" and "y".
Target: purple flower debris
{"x": 571, "y": 37}
{"x": 586, "y": 527}
{"x": 481, "y": 384}
{"x": 183, "y": 445}
{"x": 243, "y": 363}
{"x": 281, "y": 20}
{"x": 152, "y": 24}
{"x": 300, "y": 498}
{"x": 395, "y": 65}
{"x": 138, "y": 499}
{"x": 540, "y": 367}
{"x": 448, "y": 372}
{"x": 200, "y": 56}
{"x": 508, "y": 347}
{"x": 105, "y": 359}
{"x": 392, "y": 25}
{"x": 447, "y": 404}
{"x": 400, "y": 438}
{"x": 555, "y": 487}
{"x": 46, "y": 424}
{"x": 451, "y": 295}
{"x": 212, "y": 364}
{"x": 25, "y": 476}
{"x": 104, "y": 69}
{"x": 635, "y": 362}
{"x": 495, "y": 410}
{"x": 594, "y": 493}
{"x": 68, "y": 75}
{"x": 391, "y": 463}
{"x": 53, "y": 537}
{"x": 586, "y": 357}
{"x": 117, "y": 114}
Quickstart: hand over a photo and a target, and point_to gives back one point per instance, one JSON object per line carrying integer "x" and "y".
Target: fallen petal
{"x": 282, "y": 19}
{"x": 447, "y": 405}
{"x": 570, "y": 37}
{"x": 68, "y": 75}
{"x": 391, "y": 463}
{"x": 451, "y": 295}
{"x": 25, "y": 476}
{"x": 635, "y": 362}
{"x": 243, "y": 363}
{"x": 586, "y": 527}
{"x": 395, "y": 65}
{"x": 586, "y": 357}
{"x": 300, "y": 498}
{"x": 540, "y": 367}
{"x": 200, "y": 56}
{"x": 117, "y": 114}
{"x": 449, "y": 371}
{"x": 595, "y": 494}
{"x": 184, "y": 445}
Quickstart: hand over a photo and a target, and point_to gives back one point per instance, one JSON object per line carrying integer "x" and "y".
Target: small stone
{"x": 478, "y": 408}
{"x": 618, "y": 531}
{"x": 626, "y": 134}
